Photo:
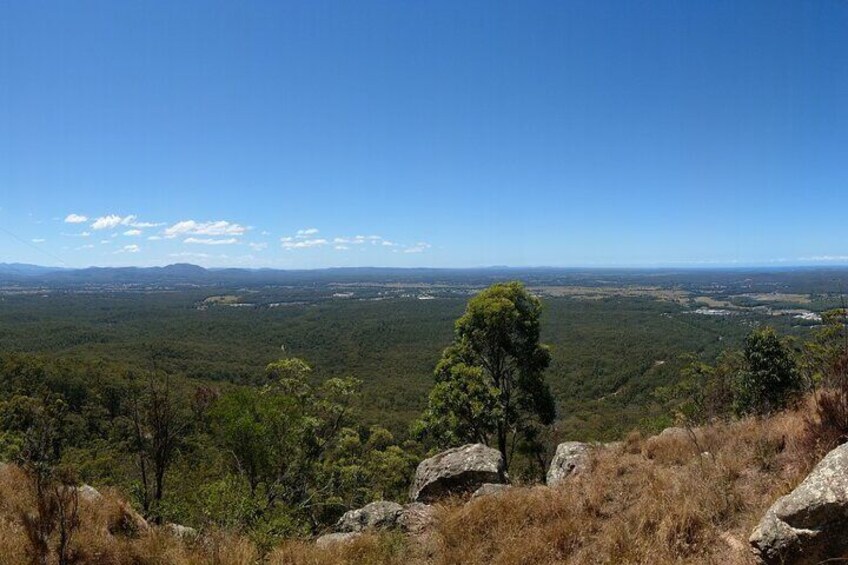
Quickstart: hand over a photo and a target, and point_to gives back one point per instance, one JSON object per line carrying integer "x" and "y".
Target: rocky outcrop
{"x": 329, "y": 540}
{"x": 377, "y": 515}
{"x": 489, "y": 489}
{"x": 808, "y": 525}
{"x": 457, "y": 470}
{"x": 570, "y": 458}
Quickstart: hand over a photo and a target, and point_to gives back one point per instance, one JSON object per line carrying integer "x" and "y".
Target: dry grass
{"x": 661, "y": 500}
{"x": 657, "y": 500}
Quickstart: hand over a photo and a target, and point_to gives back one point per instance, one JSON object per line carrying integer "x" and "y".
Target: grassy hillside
{"x": 656, "y": 500}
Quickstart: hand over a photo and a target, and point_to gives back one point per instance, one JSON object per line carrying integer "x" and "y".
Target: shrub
{"x": 770, "y": 379}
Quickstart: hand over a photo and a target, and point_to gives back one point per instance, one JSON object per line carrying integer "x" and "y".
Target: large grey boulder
{"x": 809, "y": 524}
{"x": 570, "y": 458}
{"x": 377, "y": 515}
{"x": 457, "y": 470}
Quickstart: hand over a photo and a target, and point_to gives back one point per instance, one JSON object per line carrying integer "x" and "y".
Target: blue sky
{"x": 314, "y": 134}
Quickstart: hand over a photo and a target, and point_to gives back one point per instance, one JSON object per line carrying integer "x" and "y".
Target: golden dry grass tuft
{"x": 679, "y": 498}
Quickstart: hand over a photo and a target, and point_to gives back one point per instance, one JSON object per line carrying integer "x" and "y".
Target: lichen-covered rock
{"x": 416, "y": 517}
{"x": 490, "y": 488}
{"x": 570, "y": 458}
{"x": 457, "y": 470}
{"x": 329, "y": 540}
{"x": 377, "y": 515}
{"x": 809, "y": 524}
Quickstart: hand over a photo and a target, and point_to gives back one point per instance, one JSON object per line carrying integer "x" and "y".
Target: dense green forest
{"x": 608, "y": 354}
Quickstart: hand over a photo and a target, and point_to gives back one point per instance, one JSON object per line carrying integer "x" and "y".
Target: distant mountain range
{"x": 811, "y": 279}
{"x": 185, "y": 273}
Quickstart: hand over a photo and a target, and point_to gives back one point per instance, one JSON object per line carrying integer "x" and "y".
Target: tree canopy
{"x": 490, "y": 385}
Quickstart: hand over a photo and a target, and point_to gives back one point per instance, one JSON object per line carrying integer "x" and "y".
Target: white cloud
{"x": 132, "y": 232}
{"x": 86, "y": 246}
{"x": 258, "y": 246}
{"x": 107, "y": 222}
{"x": 191, "y": 227}
{"x": 304, "y": 243}
{"x": 141, "y": 224}
{"x": 343, "y": 243}
{"x": 210, "y": 241}
{"x": 75, "y": 219}
{"x": 105, "y": 241}
{"x": 39, "y": 240}
{"x": 418, "y": 248}
{"x": 358, "y": 239}
{"x": 154, "y": 238}
{"x": 129, "y": 249}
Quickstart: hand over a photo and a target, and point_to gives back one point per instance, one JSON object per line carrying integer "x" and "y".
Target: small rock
{"x": 490, "y": 488}
{"x": 570, "y": 458}
{"x": 676, "y": 432}
{"x": 416, "y": 517}
{"x": 614, "y": 446}
{"x": 329, "y": 540}
{"x": 377, "y": 515}
{"x": 180, "y": 531}
{"x": 89, "y": 494}
{"x": 457, "y": 470}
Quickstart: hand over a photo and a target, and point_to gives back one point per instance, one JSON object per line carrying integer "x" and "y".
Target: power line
{"x": 30, "y": 244}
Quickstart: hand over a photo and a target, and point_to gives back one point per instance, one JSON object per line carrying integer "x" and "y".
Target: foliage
{"x": 825, "y": 366}
{"x": 159, "y": 428}
{"x": 301, "y": 460}
{"x": 51, "y": 527}
{"x": 770, "y": 378}
{"x": 490, "y": 383}
{"x": 704, "y": 392}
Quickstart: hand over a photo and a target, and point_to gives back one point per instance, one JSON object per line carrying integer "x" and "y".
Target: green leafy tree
{"x": 490, "y": 385}
{"x": 770, "y": 377}
{"x": 280, "y": 439}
